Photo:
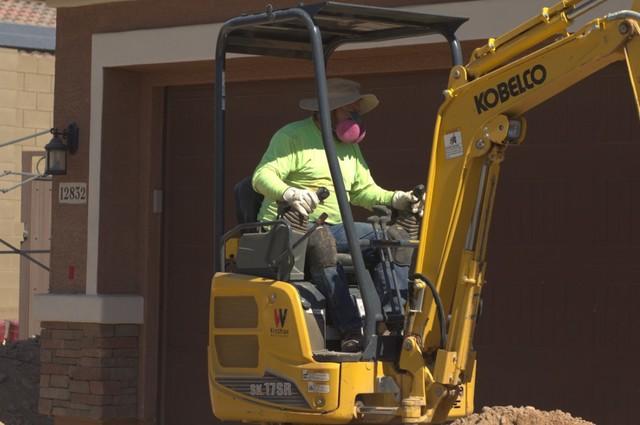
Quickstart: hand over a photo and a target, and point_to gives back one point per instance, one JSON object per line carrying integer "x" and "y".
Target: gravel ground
{"x": 509, "y": 415}
{"x": 20, "y": 377}
{"x": 19, "y": 383}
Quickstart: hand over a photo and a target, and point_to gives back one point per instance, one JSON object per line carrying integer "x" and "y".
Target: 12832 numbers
{"x": 72, "y": 193}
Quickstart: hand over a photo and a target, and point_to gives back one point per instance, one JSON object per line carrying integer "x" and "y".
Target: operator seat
{"x": 248, "y": 201}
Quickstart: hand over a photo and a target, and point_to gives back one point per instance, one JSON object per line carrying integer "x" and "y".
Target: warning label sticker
{"x": 453, "y": 147}
{"x": 308, "y": 375}
{"x": 318, "y": 388}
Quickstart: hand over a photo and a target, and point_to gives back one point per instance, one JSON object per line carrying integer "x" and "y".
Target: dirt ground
{"x": 509, "y": 415}
{"x": 20, "y": 377}
{"x": 19, "y": 382}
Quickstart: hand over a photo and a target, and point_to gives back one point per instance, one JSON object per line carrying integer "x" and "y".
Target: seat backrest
{"x": 248, "y": 201}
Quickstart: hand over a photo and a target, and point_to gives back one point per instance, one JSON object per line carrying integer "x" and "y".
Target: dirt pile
{"x": 19, "y": 383}
{"x": 509, "y": 415}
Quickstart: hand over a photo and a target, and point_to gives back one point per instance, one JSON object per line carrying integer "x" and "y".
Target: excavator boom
{"x": 632, "y": 54}
{"x": 481, "y": 116}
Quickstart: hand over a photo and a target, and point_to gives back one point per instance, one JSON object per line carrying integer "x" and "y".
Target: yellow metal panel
{"x": 465, "y": 403}
{"x": 237, "y": 351}
{"x": 235, "y": 312}
{"x": 445, "y": 368}
{"x": 282, "y": 351}
{"x": 517, "y": 45}
{"x": 231, "y": 248}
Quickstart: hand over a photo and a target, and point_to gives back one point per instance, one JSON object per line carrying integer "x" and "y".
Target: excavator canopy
{"x": 339, "y": 23}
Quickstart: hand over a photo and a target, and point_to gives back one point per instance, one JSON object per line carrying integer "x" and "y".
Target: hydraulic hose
{"x": 440, "y": 308}
{"x": 628, "y": 14}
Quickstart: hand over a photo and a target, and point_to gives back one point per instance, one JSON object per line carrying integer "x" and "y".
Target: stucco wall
{"x": 26, "y": 105}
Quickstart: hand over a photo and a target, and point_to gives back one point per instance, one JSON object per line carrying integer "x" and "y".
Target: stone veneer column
{"x": 89, "y": 371}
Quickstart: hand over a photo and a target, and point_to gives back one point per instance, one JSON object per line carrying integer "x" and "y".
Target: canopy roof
{"x": 339, "y": 23}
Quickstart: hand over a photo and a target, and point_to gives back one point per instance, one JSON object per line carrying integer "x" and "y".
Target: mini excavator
{"x": 271, "y": 353}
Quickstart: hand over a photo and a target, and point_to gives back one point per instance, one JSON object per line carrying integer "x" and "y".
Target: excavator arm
{"x": 481, "y": 116}
{"x": 632, "y": 54}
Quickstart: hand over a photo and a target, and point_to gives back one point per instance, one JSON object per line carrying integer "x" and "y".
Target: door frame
{"x": 26, "y": 192}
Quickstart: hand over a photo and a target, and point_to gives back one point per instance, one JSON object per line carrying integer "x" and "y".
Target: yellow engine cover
{"x": 261, "y": 366}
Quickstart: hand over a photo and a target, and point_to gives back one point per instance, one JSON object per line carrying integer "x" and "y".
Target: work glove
{"x": 407, "y": 201}
{"x": 302, "y": 201}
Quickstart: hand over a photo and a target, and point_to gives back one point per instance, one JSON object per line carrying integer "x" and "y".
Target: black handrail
{"x": 373, "y": 309}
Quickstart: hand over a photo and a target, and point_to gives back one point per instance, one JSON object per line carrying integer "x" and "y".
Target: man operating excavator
{"x": 294, "y": 167}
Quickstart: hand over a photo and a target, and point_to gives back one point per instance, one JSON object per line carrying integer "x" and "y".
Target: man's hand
{"x": 407, "y": 201}
{"x": 301, "y": 200}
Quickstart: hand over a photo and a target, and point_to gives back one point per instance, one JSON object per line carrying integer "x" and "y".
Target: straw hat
{"x": 342, "y": 92}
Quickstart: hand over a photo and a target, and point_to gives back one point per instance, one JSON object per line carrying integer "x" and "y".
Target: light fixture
{"x": 57, "y": 149}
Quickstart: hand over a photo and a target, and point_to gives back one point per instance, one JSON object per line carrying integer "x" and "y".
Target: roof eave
{"x": 27, "y": 37}
{"x": 77, "y": 3}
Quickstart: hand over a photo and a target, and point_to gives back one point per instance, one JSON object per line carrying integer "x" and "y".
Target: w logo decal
{"x": 279, "y": 317}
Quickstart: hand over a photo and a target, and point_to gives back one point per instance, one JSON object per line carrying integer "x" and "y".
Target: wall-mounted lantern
{"x": 57, "y": 149}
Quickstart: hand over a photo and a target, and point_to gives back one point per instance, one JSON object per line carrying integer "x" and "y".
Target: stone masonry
{"x": 89, "y": 370}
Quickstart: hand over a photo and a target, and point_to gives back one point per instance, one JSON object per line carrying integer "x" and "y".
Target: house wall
{"x": 26, "y": 107}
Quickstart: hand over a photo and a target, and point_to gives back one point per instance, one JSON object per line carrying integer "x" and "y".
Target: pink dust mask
{"x": 351, "y": 130}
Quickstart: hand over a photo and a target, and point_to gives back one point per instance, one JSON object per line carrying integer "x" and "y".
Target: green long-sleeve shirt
{"x": 296, "y": 157}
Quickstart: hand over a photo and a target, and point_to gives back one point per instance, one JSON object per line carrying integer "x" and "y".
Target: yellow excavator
{"x": 272, "y": 356}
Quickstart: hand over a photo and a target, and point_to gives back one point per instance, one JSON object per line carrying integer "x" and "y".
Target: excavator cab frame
{"x": 314, "y": 32}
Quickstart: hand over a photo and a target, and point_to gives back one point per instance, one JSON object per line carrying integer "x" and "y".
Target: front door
{"x": 188, "y": 255}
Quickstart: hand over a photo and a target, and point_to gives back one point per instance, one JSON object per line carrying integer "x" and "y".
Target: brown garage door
{"x": 562, "y": 284}
{"x": 187, "y": 256}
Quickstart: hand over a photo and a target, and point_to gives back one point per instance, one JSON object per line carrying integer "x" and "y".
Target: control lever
{"x": 296, "y": 220}
{"x": 300, "y": 223}
{"x": 381, "y": 211}
{"x": 409, "y": 221}
{"x": 419, "y": 191}
{"x": 382, "y": 220}
{"x": 384, "y": 225}
{"x": 322, "y": 193}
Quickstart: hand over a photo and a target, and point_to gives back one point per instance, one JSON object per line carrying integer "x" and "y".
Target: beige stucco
{"x": 26, "y": 105}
